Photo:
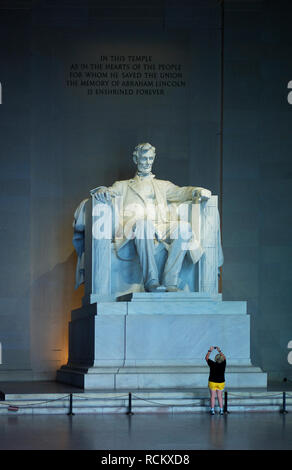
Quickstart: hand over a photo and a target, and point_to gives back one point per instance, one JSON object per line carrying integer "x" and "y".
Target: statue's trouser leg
{"x": 178, "y": 236}
{"x": 144, "y": 241}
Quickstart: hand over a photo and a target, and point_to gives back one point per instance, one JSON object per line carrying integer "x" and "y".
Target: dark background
{"x": 228, "y": 129}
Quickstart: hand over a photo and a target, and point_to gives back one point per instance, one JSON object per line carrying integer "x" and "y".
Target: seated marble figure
{"x": 145, "y": 218}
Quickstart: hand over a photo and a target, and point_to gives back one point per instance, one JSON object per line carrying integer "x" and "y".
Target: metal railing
{"x": 130, "y": 396}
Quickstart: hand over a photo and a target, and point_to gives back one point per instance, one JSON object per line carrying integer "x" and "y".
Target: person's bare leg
{"x": 220, "y": 398}
{"x": 212, "y": 398}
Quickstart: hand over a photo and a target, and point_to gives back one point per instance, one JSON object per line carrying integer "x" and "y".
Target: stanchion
{"x": 71, "y": 406}
{"x": 284, "y": 410}
{"x": 129, "y": 412}
{"x": 225, "y": 408}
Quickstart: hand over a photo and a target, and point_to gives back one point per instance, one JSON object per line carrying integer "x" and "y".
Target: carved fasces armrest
{"x": 105, "y": 218}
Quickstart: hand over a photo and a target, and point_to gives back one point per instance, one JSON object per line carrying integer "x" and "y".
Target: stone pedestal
{"x": 152, "y": 341}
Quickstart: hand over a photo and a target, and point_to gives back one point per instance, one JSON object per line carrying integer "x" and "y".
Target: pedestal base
{"x": 158, "y": 341}
{"x": 149, "y": 378}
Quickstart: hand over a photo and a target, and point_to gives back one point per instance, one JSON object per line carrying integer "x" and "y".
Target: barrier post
{"x": 129, "y": 412}
{"x": 284, "y": 410}
{"x": 225, "y": 408}
{"x": 71, "y": 406}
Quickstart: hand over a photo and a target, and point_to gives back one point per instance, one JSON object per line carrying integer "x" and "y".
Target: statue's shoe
{"x": 173, "y": 289}
{"x": 156, "y": 288}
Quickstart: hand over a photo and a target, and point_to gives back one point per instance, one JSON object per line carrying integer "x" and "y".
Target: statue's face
{"x": 144, "y": 162}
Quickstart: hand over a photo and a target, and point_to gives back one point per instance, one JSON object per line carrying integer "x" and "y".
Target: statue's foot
{"x": 156, "y": 288}
{"x": 173, "y": 289}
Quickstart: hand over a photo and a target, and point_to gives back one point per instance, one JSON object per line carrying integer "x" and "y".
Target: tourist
{"x": 216, "y": 382}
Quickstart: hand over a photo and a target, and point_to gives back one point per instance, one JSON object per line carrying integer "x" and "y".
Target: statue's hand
{"x": 201, "y": 194}
{"x": 205, "y": 194}
{"x": 101, "y": 194}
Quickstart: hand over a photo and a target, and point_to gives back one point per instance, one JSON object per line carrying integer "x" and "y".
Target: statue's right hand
{"x": 101, "y": 195}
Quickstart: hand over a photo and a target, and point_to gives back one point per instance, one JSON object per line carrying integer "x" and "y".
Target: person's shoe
{"x": 221, "y": 412}
{"x": 212, "y": 412}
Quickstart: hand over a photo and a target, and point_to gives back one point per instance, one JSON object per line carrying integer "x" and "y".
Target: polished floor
{"x": 198, "y": 431}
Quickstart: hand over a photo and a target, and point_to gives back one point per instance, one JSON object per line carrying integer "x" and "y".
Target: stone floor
{"x": 236, "y": 431}
{"x": 193, "y": 431}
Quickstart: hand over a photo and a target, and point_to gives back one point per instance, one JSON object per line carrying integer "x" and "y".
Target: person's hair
{"x": 141, "y": 148}
{"x": 219, "y": 358}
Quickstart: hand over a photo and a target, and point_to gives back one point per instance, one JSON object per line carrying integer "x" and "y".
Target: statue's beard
{"x": 144, "y": 171}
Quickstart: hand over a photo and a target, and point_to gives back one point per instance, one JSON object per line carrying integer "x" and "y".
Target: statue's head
{"x": 143, "y": 156}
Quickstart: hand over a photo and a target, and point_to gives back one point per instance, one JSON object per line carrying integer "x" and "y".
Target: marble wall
{"x": 57, "y": 145}
{"x": 15, "y": 112}
{"x": 257, "y": 176}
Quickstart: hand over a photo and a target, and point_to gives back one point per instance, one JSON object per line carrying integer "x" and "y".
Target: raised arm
{"x": 208, "y": 353}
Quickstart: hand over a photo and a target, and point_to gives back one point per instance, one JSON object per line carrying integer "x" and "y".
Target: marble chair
{"x": 110, "y": 277}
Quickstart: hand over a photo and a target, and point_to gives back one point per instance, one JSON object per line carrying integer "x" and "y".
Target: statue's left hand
{"x": 202, "y": 194}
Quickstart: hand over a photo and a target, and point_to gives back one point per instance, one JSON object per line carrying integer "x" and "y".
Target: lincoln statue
{"x": 145, "y": 217}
